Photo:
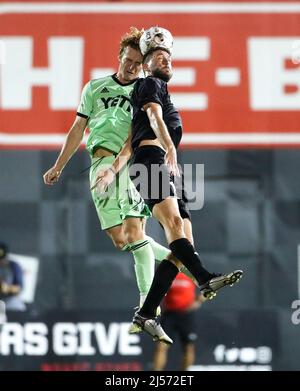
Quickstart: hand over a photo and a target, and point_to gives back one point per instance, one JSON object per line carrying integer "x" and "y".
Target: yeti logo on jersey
{"x": 119, "y": 100}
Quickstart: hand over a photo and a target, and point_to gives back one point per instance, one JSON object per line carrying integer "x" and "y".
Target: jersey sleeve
{"x": 85, "y": 107}
{"x": 150, "y": 91}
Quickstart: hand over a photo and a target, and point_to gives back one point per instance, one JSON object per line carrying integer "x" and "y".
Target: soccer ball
{"x": 156, "y": 37}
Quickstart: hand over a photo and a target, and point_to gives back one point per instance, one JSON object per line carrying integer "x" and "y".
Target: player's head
{"x": 130, "y": 56}
{"x": 3, "y": 251}
{"x": 158, "y": 63}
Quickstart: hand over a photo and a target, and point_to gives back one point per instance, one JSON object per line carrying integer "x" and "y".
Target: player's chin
{"x": 168, "y": 73}
{"x": 131, "y": 76}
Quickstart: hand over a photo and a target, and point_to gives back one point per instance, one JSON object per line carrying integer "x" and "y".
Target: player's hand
{"x": 171, "y": 161}
{"x": 51, "y": 176}
{"x": 104, "y": 179}
{"x": 4, "y": 288}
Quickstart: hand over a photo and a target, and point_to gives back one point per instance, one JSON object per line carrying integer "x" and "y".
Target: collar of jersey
{"x": 114, "y": 76}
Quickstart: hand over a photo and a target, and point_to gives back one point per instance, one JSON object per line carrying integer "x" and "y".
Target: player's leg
{"x": 117, "y": 236}
{"x": 120, "y": 202}
{"x": 150, "y": 156}
{"x": 113, "y": 210}
{"x": 187, "y": 331}
{"x": 170, "y": 218}
{"x": 144, "y": 261}
{"x": 106, "y": 205}
{"x": 134, "y": 212}
{"x": 188, "y": 230}
{"x": 160, "y": 252}
{"x": 160, "y": 356}
{"x": 166, "y": 209}
{"x": 109, "y": 209}
{"x": 184, "y": 250}
{"x": 168, "y": 214}
{"x": 188, "y": 356}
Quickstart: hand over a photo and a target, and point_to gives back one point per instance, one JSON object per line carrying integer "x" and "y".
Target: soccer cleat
{"x": 150, "y": 326}
{"x": 135, "y": 328}
{"x": 210, "y": 288}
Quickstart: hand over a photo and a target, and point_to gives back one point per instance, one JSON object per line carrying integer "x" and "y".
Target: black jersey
{"x": 153, "y": 89}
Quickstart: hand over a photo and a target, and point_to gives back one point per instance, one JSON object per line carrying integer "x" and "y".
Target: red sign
{"x": 236, "y": 68}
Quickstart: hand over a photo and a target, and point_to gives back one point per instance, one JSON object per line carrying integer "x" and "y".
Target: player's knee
{"x": 132, "y": 234}
{"x": 175, "y": 262}
{"x": 175, "y": 223}
{"x": 119, "y": 244}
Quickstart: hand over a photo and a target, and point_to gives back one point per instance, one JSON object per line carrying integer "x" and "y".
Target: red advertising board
{"x": 236, "y": 67}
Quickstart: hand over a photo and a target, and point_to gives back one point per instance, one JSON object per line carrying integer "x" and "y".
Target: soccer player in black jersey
{"x": 156, "y": 134}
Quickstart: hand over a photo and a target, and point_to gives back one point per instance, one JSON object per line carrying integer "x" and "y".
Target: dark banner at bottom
{"x": 99, "y": 341}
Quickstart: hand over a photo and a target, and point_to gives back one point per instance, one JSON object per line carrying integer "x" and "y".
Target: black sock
{"x": 163, "y": 278}
{"x": 185, "y": 252}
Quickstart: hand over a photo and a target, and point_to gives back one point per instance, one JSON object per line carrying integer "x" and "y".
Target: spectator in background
{"x": 11, "y": 281}
{"x": 178, "y": 318}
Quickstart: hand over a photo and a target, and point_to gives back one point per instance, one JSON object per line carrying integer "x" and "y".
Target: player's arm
{"x": 69, "y": 147}
{"x": 155, "y": 115}
{"x": 16, "y": 285}
{"x": 105, "y": 178}
{"x": 9, "y": 289}
{"x": 123, "y": 156}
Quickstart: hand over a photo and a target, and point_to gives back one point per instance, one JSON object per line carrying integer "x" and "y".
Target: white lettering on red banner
{"x": 236, "y": 74}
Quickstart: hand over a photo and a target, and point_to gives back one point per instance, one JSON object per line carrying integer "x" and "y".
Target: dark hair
{"x": 148, "y": 55}
{"x": 3, "y": 250}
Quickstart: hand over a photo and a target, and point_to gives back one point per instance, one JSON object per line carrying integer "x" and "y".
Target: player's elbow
{"x": 154, "y": 112}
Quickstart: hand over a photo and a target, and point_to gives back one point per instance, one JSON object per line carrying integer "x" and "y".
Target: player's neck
{"x": 120, "y": 78}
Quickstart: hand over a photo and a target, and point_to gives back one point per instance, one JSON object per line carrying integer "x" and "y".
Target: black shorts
{"x": 181, "y": 324}
{"x": 153, "y": 179}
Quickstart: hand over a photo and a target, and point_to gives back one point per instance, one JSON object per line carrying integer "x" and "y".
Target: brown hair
{"x": 131, "y": 39}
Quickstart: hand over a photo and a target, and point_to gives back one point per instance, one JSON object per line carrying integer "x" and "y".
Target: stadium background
{"x": 237, "y": 87}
